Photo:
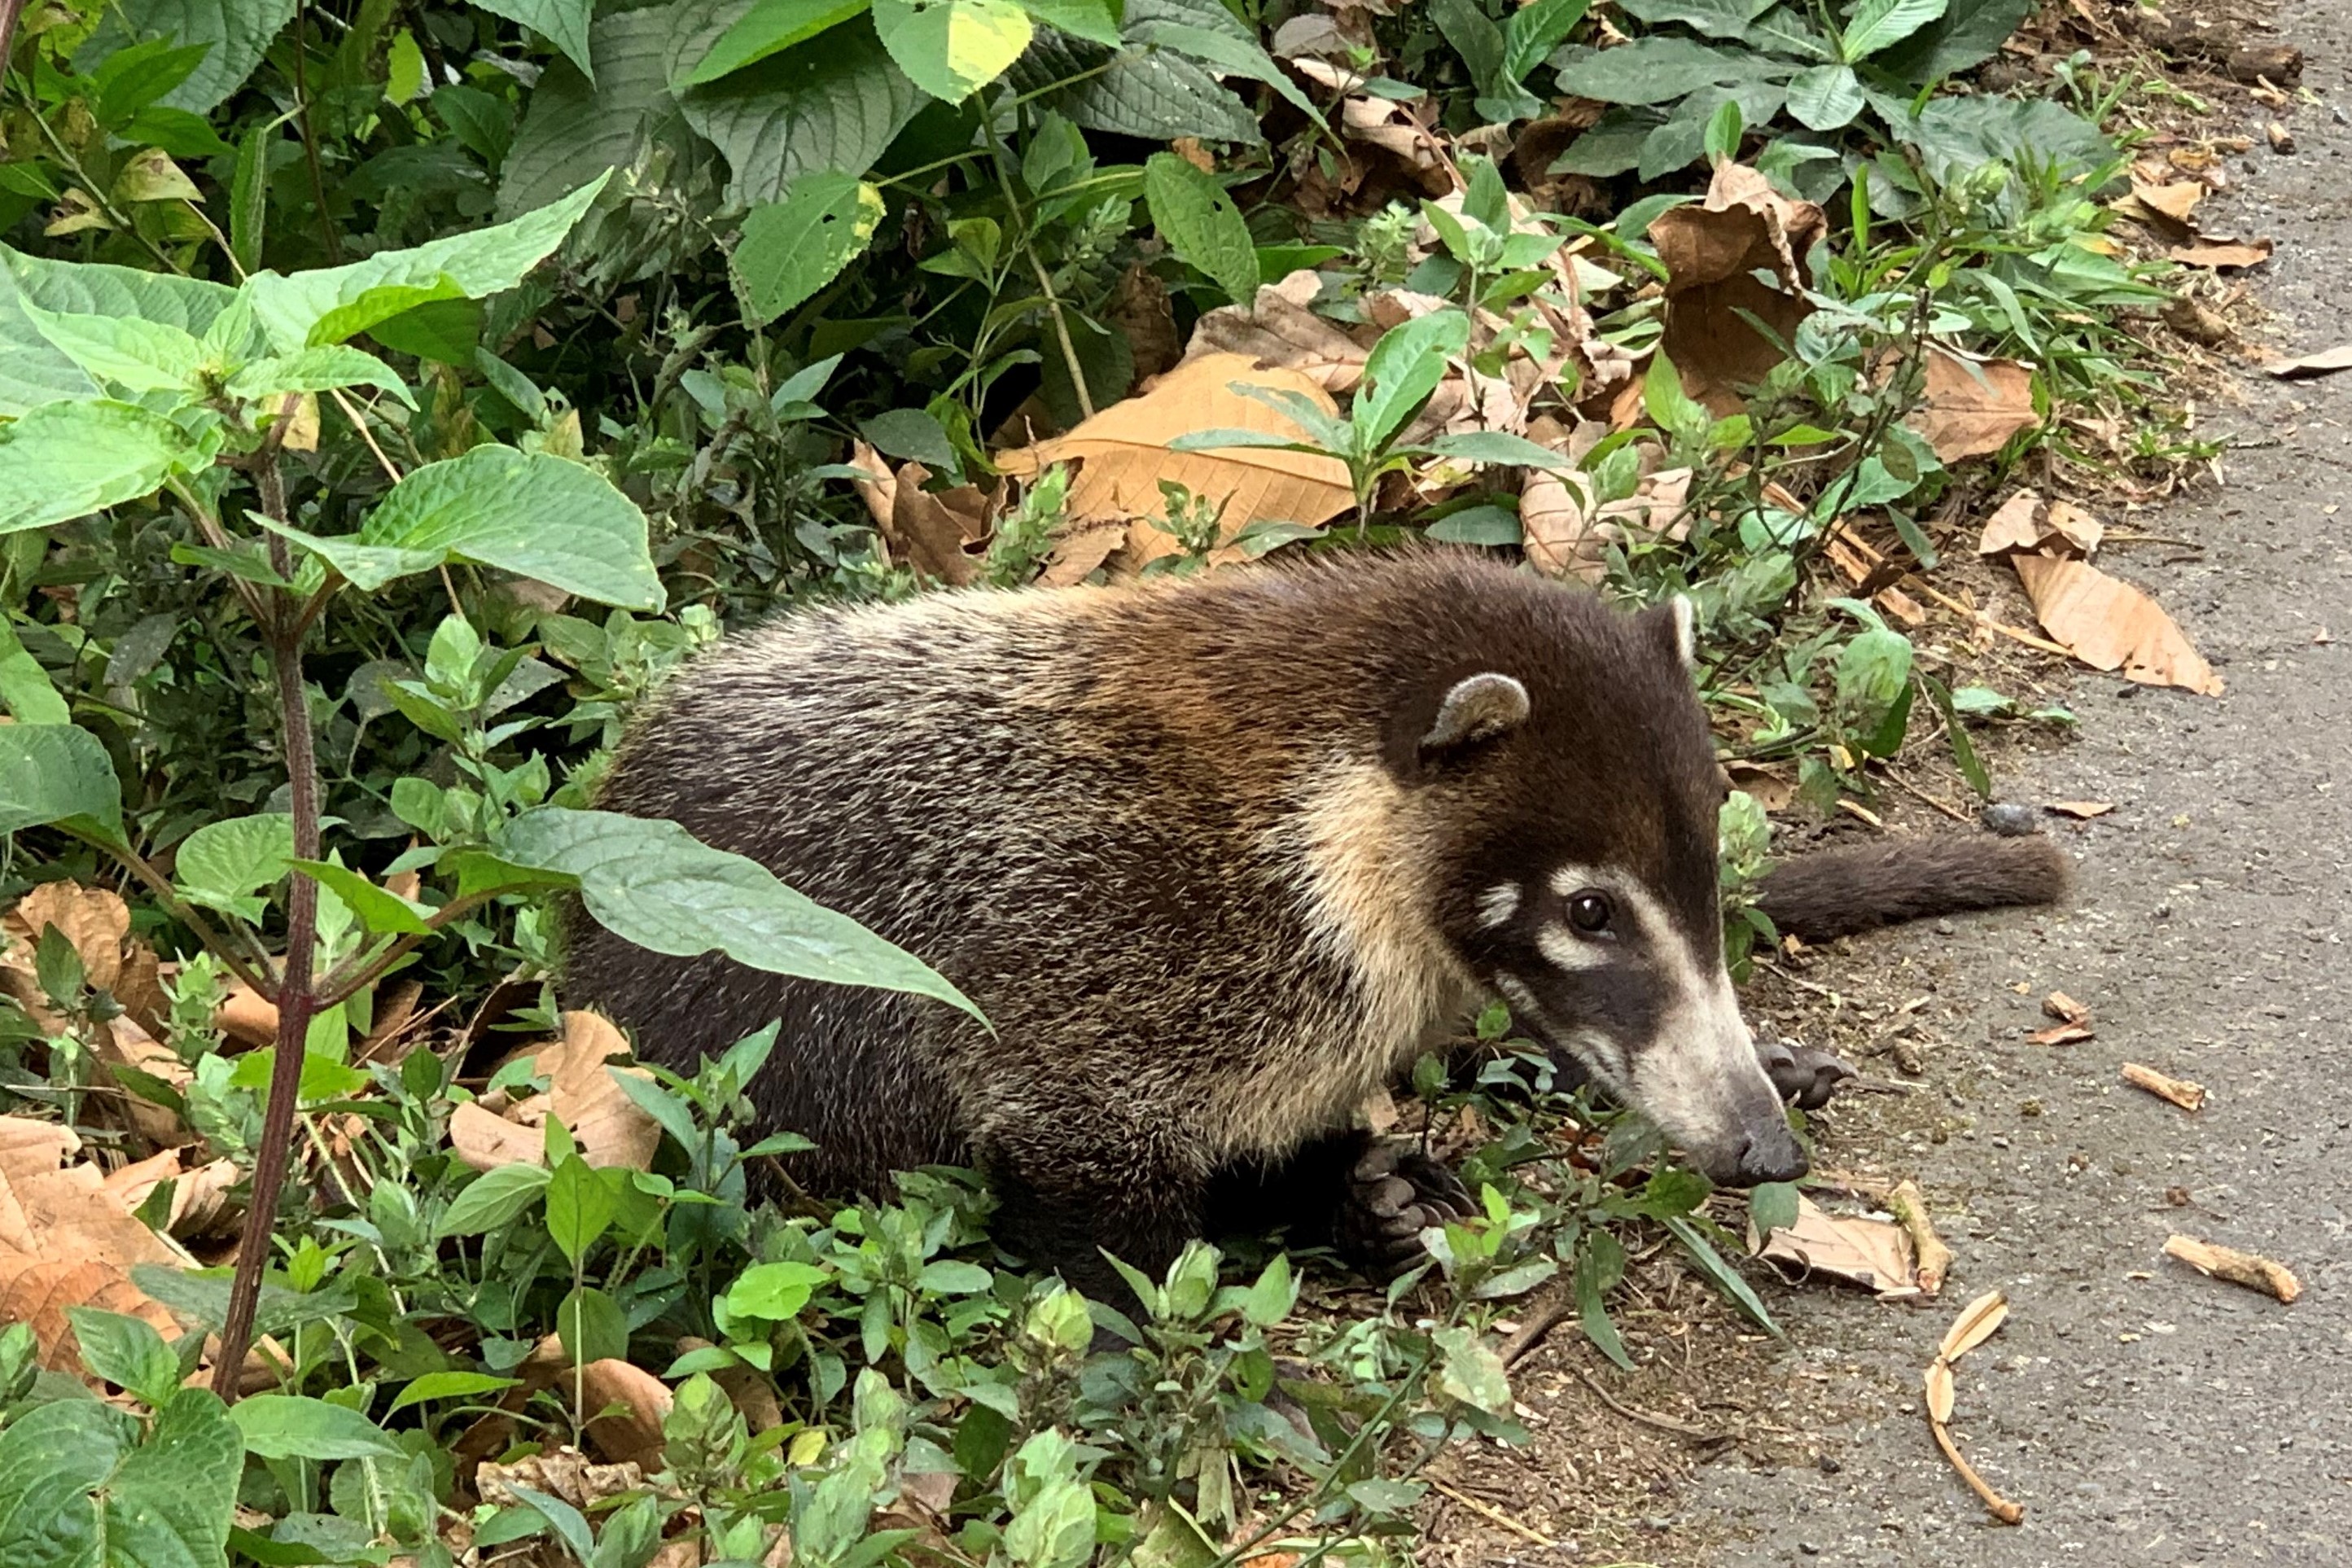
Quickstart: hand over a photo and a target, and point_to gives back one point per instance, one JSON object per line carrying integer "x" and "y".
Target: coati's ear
{"x": 1479, "y": 707}
{"x": 1676, "y": 621}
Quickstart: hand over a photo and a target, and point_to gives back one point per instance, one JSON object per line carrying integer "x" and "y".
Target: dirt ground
{"x": 2139, "y": 1412}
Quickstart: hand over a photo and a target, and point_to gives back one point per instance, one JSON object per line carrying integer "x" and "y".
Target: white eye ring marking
{"x": 1497, "y": 904}
{"x": 1564, "y": 949}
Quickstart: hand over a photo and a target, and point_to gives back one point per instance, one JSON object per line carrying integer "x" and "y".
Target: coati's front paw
{"x": 1394, "y": 1193}
{"x": 1803, "y": 1077}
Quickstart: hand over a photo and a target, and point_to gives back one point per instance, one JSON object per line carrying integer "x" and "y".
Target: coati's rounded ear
{"x": 1676, "y": 620}
{"x": 1479, "y": 707}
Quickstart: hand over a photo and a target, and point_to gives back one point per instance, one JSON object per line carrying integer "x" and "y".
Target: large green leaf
{"x": 573, "y": 130}
{"x": 333, "y": 303}
{"x": 1825, "y": 98}
{"x": 654, "y": 884}
{"x": 291, "y": 1426}
{"x": 1876, "y": 24}
{"x": 315, "y": 369}
{"x": 56, "y": 774}
{"x": 236, "y": 33}
{"x": 1403, "y": 368}
{"x": 1682, "y": 138}
{"x": 793, "y": 247}
{"x": 1535, "y": 30}
{"x": 222, "y": 865}
{"x": 1716, "y": 18}
{"x": 134, "y": 354}
{"x": 1658, "y": 69}
{"x": 1968, "y": 33}
{"x": 951, "y": 49}
{"x": 1145, "y": 89}
{"x": 563, "y": 22}
{"x": 1475, "y": 35}
{"x": 73, "y": 1494}
{"x": 767, "y": 28}
{"x": 531, "y": 513}
{"x": 34, "y": 371}
{"x": 1612, "y": 146}
{"x": 1193, "y": 213}
{"x": 65, "y": 460}
{"x": 1959, "y": 133}
{"x": 832, "y": 103}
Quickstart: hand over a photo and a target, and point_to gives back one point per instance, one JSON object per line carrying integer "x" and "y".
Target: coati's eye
{"x": 1589, "y": 913}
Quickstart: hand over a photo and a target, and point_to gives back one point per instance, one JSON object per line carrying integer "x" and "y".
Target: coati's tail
{"x": 1836, "y": 892}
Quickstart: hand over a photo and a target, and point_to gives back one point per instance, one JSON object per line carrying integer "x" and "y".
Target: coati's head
{"x": 1573, "y": 791}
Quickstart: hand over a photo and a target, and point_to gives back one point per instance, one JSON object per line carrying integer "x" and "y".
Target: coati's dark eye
{"x": 1589, "y": 913}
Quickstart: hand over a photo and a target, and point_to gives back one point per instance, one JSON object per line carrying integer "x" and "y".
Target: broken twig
{"x": 2179, "y": 1090}
{"x": 1651, "y": 1418}
{"x": 1935, "y": 1259}
{"x": 1541, "y": 1320}
{"x": 2247, "y": 1269}
{"x": 1978, "y": 1321}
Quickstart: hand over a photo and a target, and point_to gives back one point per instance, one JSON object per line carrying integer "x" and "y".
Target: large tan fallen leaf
{"x": 2024, "y": 524}
{"x": 1712, "y": 250}
{"x": 933, "y": 531}
{"x": 1278, "y": 329}
{"x": 2110, "y": 625}
{"x": 604, "y": 1122}
{"x": 1124, "y": 450}
{"x": 2220, "y": 253}
{"x": 1555, "y": 524}
{"x": 200, "y": 1193}
{"x": 1872, "y": 1253}
{"x": 2171, "y": 202}
{"x": 2327, "y": 362}
{"x": 1973, "y": 406}
{"x": 625, "y": 1404}
{"x": 65, "y": 1241}
{"x": 97, "y": 922}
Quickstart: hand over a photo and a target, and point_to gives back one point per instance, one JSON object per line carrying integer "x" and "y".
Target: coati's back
{"x": 1185, "y": 844}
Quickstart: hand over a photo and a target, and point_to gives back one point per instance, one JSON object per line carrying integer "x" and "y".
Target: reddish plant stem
{"x": 298, "y": 986}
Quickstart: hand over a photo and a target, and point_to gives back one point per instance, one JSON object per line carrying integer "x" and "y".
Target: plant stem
{"x": 335, "y": 242}
{"x": 296, "y": 985}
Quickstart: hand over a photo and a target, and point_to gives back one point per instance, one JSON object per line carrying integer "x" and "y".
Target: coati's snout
{"x": 1587, "y": 898}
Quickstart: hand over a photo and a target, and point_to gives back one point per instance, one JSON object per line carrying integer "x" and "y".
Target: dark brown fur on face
{"x": 1831, "y": 893}
{"x": 1208, "y": 854}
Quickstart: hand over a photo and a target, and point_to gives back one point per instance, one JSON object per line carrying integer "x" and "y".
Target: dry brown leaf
{"x": 26, "y": 1144}
{"x": 1876, "y": 1254}
{"x": 2075, "y": 527}
{"x": 1939, "y": 1390}
{"x": 1712, "y": 250}
{"x": 2065, "y": 1008}
{"x": 2220, "y": 253}
{"x": 1973, "y": 406}
{"x": 2016, "y": 524}
{"x": 2110, "y": 625}
{"x": 606, "y": 1124}
{"x": 2181, "y": 1091}
{"x": 486, "y": 1140}
{"x": 2327, "y": 362}
{"x": 2081, "y": 810}
{"x": 2064, "y": 1034}
{"x": 125, "y": 1045}
{"x": 1141, "y": 313}
{"x": 565, "y": 1474}
{"x": 2175, "y": 200}
{"x": 2250, "y": 1270}
{"x": 1978, "y": 1321}
{"x": 65, "y": 1241}
{"x": 1079, "y": 550}
{"x": 247, "y": 1017}
{"x": 1279, "y": 330}
{"x": 94, "y": 920}
{"x": 1125, "y": 452}
{"x": 931, "y": 532}
{"x": 1556, "y": 521}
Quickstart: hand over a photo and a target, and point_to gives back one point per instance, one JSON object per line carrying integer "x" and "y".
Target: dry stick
{"x": 2002, "y": 1508}
{"x": 9, "y": 10}
{"x": 2247, "y": 1269}
{"x": 1910, "y": 1210}
{"x": 1650, "y": 1418}
{"x": 1547, "y": 1314}
{"x": 1494, "y": 1515}
{"x": 1958, "y": 608}
{"x": 2181, "y": 1091}
{"x": 1955, "y": 813}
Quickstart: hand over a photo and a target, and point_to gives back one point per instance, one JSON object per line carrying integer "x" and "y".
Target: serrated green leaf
{"x": 57, "y": 773}
{"x": 793, "y": 247}
{"x": 1198, "y": 218}
{"x": 1535, "y": 30}
{"x": 126, "y": 1351}
{"x": 768, "y": 27}
{"x": 1659, "y": 69}
{"x": 1403, "y": 368}
{"x": 1096, "y": 21}
{"x": 1222, "y": 51}
{"x": 222, "y": 864}
{"x": 1141, "y": 88}
{"x": 653, "y": 884}
{"x": 494, "y": 1198}
{"x": 1716, "y": 18}
{"x": 25, "y": 689}
{"x": 526, "y": 512}
{"x": 834, "y": 102}
{"x": 952, "y": 48}
{"x": 33, "y": 371}
{"x": 65, "y": 460}
{"x": 573, "y": 130}
{"x": 315, "y": 369}
{"x": 333, "y": 303}
{"x": 236, "y": 33}
{"x": 51, "y": 1458}
{"x": 563, "y": 22}
{"x": 136, "y": 354}
{"x": 165, "y": 1503}
{"x": 379, "y": 910}
{"x": 1877, "y": 24}
{"x": 293, "y": 1426}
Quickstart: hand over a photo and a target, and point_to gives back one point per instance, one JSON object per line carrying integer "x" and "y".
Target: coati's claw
{"x": 1394, "y": 1193}
{"x": 1803, "y": 1077}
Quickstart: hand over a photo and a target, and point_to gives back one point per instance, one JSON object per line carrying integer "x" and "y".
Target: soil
{"x": 2138, "y": 1411}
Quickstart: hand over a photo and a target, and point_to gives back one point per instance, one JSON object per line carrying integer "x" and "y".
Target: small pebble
{"x": 1829, "y": 1465}
{"x": 2009, "y": 818}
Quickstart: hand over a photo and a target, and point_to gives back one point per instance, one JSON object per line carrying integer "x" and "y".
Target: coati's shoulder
{"x": 1831, "y": 893}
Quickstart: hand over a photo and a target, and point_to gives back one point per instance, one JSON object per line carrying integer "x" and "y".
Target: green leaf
{"x": 1501, "y": 449}
{"x": 436, "y": 1385}
{"x": 567, "y": 1521}
{"x": 1968, "y": 33}
{"x": 1535, "y": 30}
{"x": 1486, "y": 525}
{"x": 1964, "y": 750}
{"x": 563, "y": 22}
{"x": 126, "y": 1351}
{"x": 1826, "y": 98}
{"x": 573, "y": 130}
{"x": 1720, "y": 1274}
{"x": 1093, "y": 20}
{"x": 333, "y": 303}
{"x": 832, "y": 103}
{"x": 248, "y": 202}
{"x": 494, "y": 1199}
{"x": 1772, "y": 1206}
{"x": 1198, "y": 218}
{"x": 653, "y": 884}
{"x": 65, "y": 460}
{"x": 1955, "y": 135}
{"x": 33, "y": 371}
{"x": 592, "y": 1326}
{"x": 910, "y": 433}
{"x": 222, "y": 864}
{"x": 163, "y": 1504}
{"x": 25, "y": 689}
{"x": 1473, "y": 35}
{"x": 1599, "y": 1265}
{"x": 135, "y": 354}
{"x": 1403, "y": 368}
{"x": 237, "y": 32}
{"x": 1471, "y": 1372}
{"x": 774, "y": 1292}
{"x": 951, "y": 49}
{"x": 56, "y": 774}
{"x": 294, "y": 1426}
{"x": 767, "y": 27}
{"x": 527, "y": 512}
{"x": 953, "y": 1277}
{"x": 1716, "y": 18}
{"x": 379, "y": 910}
{"x": 1141, "y": 89}
{"x": 1876, "y": 24}
{"x": 1224, "y": 52}
{"x": 579, "y": 1208}
{"x": 793, "y": 247}
{"x": 51, "y": 1458}
{"x": 315, "y": 369}
{"x": 1659, "y": 69}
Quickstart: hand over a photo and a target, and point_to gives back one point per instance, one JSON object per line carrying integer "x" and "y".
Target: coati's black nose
{"x": 1769, "y": 1154}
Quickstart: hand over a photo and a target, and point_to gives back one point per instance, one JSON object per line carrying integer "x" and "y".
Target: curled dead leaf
{"x": 67, "y": 1241}
{"x": 1939, "y": 1390}
{"x": 2222, "y": 253}
{"x": 2110, "y": 625}
{"x": 2081, "y": 810}
{"x": 1978, "y": 1321}
{"x": 606, "y": 1124}
{"x": 1972, "y": 407}
{"x": 1279, "y": 331}
{"x": 1876, "y": 1254}
{"x": 2248, "y": 1269}
{"x": 1555, "y": 524}
{"x": 933, "y": 531}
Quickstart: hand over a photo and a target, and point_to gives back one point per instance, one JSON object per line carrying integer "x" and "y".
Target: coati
{"x": 1217, "y": 857}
